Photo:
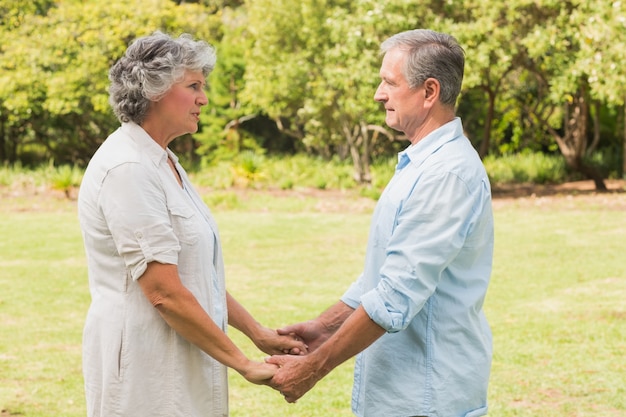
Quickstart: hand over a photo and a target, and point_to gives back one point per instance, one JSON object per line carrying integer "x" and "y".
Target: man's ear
{"x": 431, "y": 89}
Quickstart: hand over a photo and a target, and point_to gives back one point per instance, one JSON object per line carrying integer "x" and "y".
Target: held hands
{"x": 298, "y": 374}
{"x": 313, "y": 333}
{"x": 258, "y": 373}
{"x": 274, "y": 343}
{"x": 270, "y": 342}
{"x": 295, "y": 377}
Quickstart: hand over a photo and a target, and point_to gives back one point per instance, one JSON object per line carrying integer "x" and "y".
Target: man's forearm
{"x": 335, "y": 316}
{"x": 356, "y": 333}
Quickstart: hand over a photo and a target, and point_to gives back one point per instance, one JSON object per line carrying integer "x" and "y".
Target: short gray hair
{"x": 430, "y": 54}
{"x": 149, "y": 68}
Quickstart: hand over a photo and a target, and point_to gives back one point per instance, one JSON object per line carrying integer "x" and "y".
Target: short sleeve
{"x": 134, "y": 206}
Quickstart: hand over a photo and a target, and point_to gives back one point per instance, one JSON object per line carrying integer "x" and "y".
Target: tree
{"x": 222, "y": 135}
{"x": 602, "y": 42}
{"x": 13, "y": 13}
{"x": 563, "y": 43}
{"x": 53, "y": 87}
{"x": 314, "y": 66}
{"x": 490, "y": 36}
{"x": 539, "y": 75}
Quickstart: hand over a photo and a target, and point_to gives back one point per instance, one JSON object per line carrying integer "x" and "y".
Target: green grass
{"x": 556, "y": 302}
{"x": 42, "y": 305}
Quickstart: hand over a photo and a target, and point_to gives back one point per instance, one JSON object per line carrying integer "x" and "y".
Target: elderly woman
{"x": 155, "y": 340}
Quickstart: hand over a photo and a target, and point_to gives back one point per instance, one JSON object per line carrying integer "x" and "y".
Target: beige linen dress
{"x": 132, "y": 211}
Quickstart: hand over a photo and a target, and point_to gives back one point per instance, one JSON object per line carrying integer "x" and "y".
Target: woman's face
{"x": 178, "y": 112}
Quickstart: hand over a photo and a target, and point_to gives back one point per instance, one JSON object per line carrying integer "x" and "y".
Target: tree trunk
{"x": 596, "y": 129}
{"x": 577, "y": 164}
{"x": 573, "y": 142}
{"x": 360, "y": 157}
{"x": 486, "y": 142}
{"x": 3, "y": 151}
{"x": 624, "y": 140}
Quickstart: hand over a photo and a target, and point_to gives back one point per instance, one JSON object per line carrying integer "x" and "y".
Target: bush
{"x": 65, "y": 178}
{"x": 608, "y": 161}
{"x": 252, "y": 170}
{"x": 258, "y": 171}
{"x": 536, "y": 168}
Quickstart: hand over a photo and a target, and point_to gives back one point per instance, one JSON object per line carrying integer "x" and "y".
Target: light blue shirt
{"x": 426, "y": 273}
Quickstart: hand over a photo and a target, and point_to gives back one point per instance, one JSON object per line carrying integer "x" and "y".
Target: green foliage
{"x": 53, "y": 87}
{"x": 18, "y": 178}
{"x": 263, "y": 172}
{"x": 66, "y": 178}
{"x": 540, "y": 65}
{"x": 222, "y": 136}
{"x": 251, "y": 170}
{"x": 608, "y": 161}
{"x": 222, "y": 200}
{"x": 248, "y": 169}
{"x": 14, "y": 12}
{"x": 322, "y": 78}
{"x": 536, "y": 168}
{"x": 533, "y": 69}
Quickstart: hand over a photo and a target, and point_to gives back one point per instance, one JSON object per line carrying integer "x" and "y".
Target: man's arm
{"x": 317, "y": 331}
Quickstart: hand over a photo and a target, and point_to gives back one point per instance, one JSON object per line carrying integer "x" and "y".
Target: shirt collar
{"x": 152, "y": 149}
{"x": 418, "y": 152}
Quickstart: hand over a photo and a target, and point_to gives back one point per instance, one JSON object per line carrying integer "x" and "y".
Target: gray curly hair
{"x": 149, "y": 68}
{"x": 431, "y": 54}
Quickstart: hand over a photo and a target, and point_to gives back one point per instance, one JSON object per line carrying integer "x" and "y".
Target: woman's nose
{"x": 203, "y": 99}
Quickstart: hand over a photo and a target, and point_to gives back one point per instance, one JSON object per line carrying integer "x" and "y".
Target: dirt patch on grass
{"x": 45, "y": 199}
{"x": 575, "y": 193}
{"x": 568, "y": 188}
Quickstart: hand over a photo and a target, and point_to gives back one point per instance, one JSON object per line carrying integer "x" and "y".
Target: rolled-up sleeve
{"x": 352, "y": 296}
{"x": 429, "y": 230}
{"x": 137, "y": 216}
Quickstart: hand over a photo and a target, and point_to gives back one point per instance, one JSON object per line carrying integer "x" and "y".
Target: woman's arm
{"x": 266, "y": 339}
{"x": 179, "y": 308}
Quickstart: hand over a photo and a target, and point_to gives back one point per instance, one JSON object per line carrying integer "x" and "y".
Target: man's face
{"x": 404, "y": 106}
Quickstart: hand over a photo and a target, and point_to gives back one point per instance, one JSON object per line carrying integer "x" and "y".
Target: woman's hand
{"x": 266, "y": 339}
{"x": 313, "y": 333}
{"x": 273, "y": 343}
{"x": 259, "y": 373}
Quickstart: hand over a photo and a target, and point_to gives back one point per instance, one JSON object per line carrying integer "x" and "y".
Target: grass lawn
{"x": 556, "y": 302}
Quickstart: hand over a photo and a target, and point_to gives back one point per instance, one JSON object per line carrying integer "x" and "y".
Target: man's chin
{"x": 392, "y": 123}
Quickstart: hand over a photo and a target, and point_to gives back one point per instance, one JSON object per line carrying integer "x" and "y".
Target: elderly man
{"x": 415, "y": 314}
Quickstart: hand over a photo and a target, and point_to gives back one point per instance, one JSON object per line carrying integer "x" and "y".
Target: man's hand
{"x": 296, "y": 375}
{"x": 312, "y": 333}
